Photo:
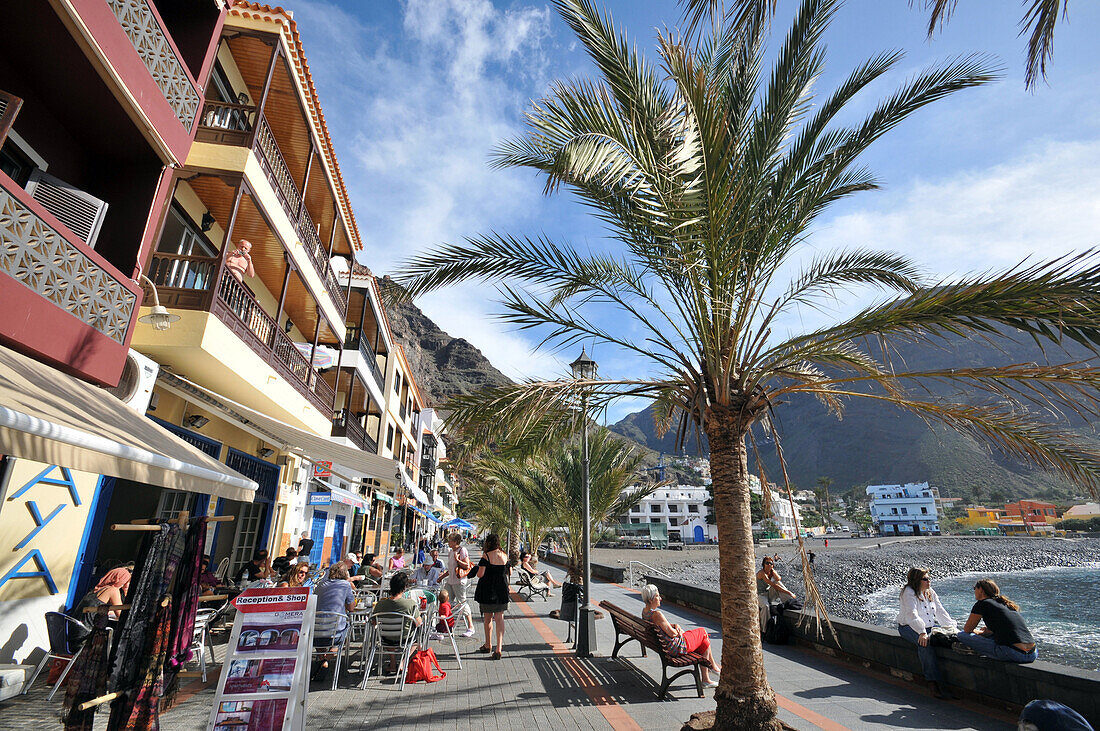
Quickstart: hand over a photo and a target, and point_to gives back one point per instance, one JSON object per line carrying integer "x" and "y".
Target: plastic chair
{"x": 202, "y": 638}
{"x": 222, "y": 574}
{"x": 62, "y": 631}
{"x": 330, "y": 629}
{"x": 394, "y": 636}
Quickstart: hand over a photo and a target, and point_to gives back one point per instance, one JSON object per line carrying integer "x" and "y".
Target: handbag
{"x": 420, "y": 667}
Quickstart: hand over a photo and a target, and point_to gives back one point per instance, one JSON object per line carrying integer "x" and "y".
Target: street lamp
{"x": 584, "y": 369}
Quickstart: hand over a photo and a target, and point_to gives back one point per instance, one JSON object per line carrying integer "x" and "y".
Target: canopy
{"x": 292, "y": 439}
{"x": 50, "y": 417}
{"x": 385, "y": 498}
{"x": 459, "y": 523}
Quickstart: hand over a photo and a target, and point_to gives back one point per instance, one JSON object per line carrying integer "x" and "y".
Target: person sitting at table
{"x": 446, "y": 621}
{"x": 207, "y": 580}
{"x": 436, "y": 560}
{"x": 371, "y": 568}
{"x": 398, "y": 603}
{"x": 528, "y": 562}
{"x": 397, "y": 560}
{"x": 335, "y": 596}
{"x": 258, "y": 568}
{"x": 295, "y": 576}
{"x": 110, "y": 591}
{"x": 426, "y": 574}
{"x": 282, "y": 563}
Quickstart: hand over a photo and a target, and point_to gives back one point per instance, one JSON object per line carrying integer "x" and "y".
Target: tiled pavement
{"x": 539, "y": 684}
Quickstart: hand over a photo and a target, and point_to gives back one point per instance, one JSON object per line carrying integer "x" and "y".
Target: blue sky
{"x": 417, "y": 92}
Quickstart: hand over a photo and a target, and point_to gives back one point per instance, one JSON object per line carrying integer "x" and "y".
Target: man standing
{"x": 305, "y": 545}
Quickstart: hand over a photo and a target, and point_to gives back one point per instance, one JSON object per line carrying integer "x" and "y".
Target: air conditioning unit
{"x": 82, "y": 212}
{"x": 135, "y": 388}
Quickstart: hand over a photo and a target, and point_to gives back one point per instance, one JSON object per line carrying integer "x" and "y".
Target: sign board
{"x": 322, "y": 469}
{"x": 264, "y": 681}
{"x": 319, "y": 498}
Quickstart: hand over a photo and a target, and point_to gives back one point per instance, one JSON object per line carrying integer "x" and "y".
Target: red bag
{"x": 420, "y": 667}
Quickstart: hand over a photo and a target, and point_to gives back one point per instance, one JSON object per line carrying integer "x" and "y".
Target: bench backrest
{"x": 635, "y": 626}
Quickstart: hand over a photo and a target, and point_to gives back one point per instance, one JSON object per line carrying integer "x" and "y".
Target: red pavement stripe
{"x": 615, "y": 714}
{"x": 815, "y": 718}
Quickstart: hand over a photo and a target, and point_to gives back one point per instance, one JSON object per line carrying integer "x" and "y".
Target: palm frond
{"x": 1041, "y": 17}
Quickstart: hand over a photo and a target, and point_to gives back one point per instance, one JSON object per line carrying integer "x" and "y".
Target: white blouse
{"x": 923, "y": 613}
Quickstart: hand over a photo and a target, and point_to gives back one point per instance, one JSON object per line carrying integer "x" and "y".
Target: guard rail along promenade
{"x": 880, "y": 649}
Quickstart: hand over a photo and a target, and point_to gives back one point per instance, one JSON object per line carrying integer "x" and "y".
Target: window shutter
{"x": 82, "y": 212}
{"x": 9, "y": 108}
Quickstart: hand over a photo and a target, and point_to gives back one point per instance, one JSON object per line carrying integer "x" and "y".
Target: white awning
{"x": 292, "y": 439}
{"x": 51, "y": 417}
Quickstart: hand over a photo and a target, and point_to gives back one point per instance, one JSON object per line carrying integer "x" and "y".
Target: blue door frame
{"x": 317, "y": 535}
{"x": 339, "y": 521}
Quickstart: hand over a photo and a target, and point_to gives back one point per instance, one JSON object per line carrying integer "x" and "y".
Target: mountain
{"x": 876, "y": 443}
{"x": 443, "y": 366}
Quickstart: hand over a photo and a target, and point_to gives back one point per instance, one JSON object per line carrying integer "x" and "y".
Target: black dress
{"x": 492, "y": 588}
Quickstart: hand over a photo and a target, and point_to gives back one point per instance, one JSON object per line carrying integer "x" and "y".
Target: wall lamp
{"x": 207, "y": 222}
{"x": 196, "y": 421}
{"x": 266, "y": 452}
{"x": 159, "y": 317}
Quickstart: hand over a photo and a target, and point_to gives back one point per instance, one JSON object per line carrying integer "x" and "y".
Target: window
{"x": 655, "y": 520}
{"x": 673, "y": 508}
{"x": 635, "y": 520}
{"x": 15, "y": 163}
{"x": 893, "y": 511}
{"x": 636, "y": 509}
{"x": 905, "y": 511}
{"x": 924, "y": 511}
{"x": 692, "y": 508}
{"x": 397, "y": 382}
{"x": 654, "y": 508}
{"x": 389, "y": 437}
{"x": 674, "y": 521}
{"x": 182, "y": 237}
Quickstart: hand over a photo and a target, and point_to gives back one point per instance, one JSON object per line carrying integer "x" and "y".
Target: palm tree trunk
{"x": 513, "y": 534}
{"x": 744, "y": 698}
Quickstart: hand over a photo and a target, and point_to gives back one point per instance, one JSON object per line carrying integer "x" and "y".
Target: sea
{"x": 1060, "y": 605}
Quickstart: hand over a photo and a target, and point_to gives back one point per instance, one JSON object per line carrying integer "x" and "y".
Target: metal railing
{"x": 630, "y": 571}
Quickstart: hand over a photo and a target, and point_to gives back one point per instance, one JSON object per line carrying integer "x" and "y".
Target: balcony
{"x": 187, "y": 282}
{"x": 356, "y": 341}
{"x": 60, "y": 296}
{"x": 243, "y": 125}
{"x": 345, "y": 424}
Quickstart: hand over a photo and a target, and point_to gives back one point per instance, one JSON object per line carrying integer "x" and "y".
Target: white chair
{"x": 203, "y": 638}
{"x": 448, "y": 629}
{"x": 330, "y": 630}
{"x": 394, "y": 636}
{"x": 61, "y": 630}
{"x": 222, "y": 574}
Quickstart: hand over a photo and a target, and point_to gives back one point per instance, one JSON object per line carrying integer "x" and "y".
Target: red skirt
{"x": 696, "y": 640}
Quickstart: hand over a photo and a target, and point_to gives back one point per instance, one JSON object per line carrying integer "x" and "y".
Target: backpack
{"x": 420, "y": 667}
{"x": 776, "y": 632}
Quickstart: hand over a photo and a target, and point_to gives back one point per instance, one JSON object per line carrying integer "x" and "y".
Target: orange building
{"x": 1029, "y": 516}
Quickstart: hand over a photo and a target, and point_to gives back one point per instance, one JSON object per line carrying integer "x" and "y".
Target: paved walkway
{"x": 540, "y": 684}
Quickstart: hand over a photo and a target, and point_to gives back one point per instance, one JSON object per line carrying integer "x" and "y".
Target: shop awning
{"x": 337, "y": 495}
{"x": 292, "y": 439}
{"x": 386, "y": 498}
{"x": 51, "y": 417}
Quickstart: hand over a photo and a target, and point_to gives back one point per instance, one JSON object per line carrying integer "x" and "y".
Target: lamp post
{"x": 584, "y": 369}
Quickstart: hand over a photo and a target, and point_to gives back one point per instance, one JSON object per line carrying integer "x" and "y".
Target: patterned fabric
{"x": 88, "y": 677}
{"x": 186, "y": 601}
{"x": 138, "y": 710}
{"x": 154, "y": 573}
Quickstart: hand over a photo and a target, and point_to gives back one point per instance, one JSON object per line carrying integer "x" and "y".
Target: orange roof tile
{"x": 259, "y": 11}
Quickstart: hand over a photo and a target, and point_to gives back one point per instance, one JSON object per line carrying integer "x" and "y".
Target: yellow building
{"x": 980, "y": 517}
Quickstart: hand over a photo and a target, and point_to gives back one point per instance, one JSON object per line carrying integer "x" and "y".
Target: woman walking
{"x": 1005, "y": 636}
{"x": 493, "y": 572}
{"x": 920, "y": 612}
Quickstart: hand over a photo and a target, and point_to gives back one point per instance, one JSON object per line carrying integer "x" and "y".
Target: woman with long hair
{"x": 491, "y": 594}
{"x": 769, "y": 588}
{"x": 920, "y": 612}
{"x": 111, "y": 590}
{"x": 1005, "y": 636}
{"x": 295, "y": 576}
{"x": 679, "y": 641}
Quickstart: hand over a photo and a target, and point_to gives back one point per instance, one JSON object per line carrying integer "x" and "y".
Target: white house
{"x": 681, "y": 508}
{"x": 780, "y": 514}
{"x": 909, "y": 509}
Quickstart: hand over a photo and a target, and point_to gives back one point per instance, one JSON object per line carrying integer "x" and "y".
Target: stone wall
{"x": 1006, "y": 686}
{"x": 614, "y": 574}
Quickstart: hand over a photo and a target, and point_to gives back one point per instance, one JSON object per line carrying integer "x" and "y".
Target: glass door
{"x": 250, "y": 520}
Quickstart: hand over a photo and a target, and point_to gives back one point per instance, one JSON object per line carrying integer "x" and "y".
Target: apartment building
{"x": 909, "y": 509}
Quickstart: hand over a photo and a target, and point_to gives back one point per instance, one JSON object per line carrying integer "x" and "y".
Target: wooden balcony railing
{"x": 224, "y": 123}
{"x": 307, "y": 234}
{"x": 344, "y": 424}
{"x": 276, "y": 169}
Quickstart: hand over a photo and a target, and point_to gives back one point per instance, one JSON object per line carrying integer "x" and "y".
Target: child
{"x": 446, "y": 619}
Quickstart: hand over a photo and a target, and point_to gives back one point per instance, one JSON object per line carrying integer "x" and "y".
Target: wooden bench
{"x": 632, "y": 627}
{"x": 533, "y": 585}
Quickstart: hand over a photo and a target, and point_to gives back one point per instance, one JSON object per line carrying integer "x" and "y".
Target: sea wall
{"x": 614, "y": 574}
{"x": 997, "y": 684}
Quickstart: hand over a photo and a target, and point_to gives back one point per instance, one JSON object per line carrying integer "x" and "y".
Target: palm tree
{"x": 709, "y": 175}
{"x": 824, "y": 483}
{"x": 1039, "y": 19}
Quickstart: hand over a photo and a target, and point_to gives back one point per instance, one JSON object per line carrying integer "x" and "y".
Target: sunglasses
{"x": 926, "y": 578}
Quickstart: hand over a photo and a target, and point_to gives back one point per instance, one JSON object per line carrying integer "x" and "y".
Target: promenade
{"x": 539, "y": 683}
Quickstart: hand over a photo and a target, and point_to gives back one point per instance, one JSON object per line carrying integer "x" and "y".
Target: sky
{"x": 418, "y": 92}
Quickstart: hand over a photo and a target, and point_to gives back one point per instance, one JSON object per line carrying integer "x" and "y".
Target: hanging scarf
{"x": 138, "y": 710}
{"x": 154, "y": 573}
{"x": 186, "y": 602}
{"x": 88, "y": 677}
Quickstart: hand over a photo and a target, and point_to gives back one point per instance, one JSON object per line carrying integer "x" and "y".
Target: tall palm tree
{"x": 709, "y": 174}
{"x": 824, "y": 483}
{"x": 1038, "y": 22}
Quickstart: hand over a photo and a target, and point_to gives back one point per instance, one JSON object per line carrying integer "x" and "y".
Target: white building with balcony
{"x": 682, "y": 508}
{"x": 781, "y": 515}
{"x": 911, "y": 509}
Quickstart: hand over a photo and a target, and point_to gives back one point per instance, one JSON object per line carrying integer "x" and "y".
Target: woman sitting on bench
{"x": 679, "y": 642}
{"x": 527, "y": 563}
